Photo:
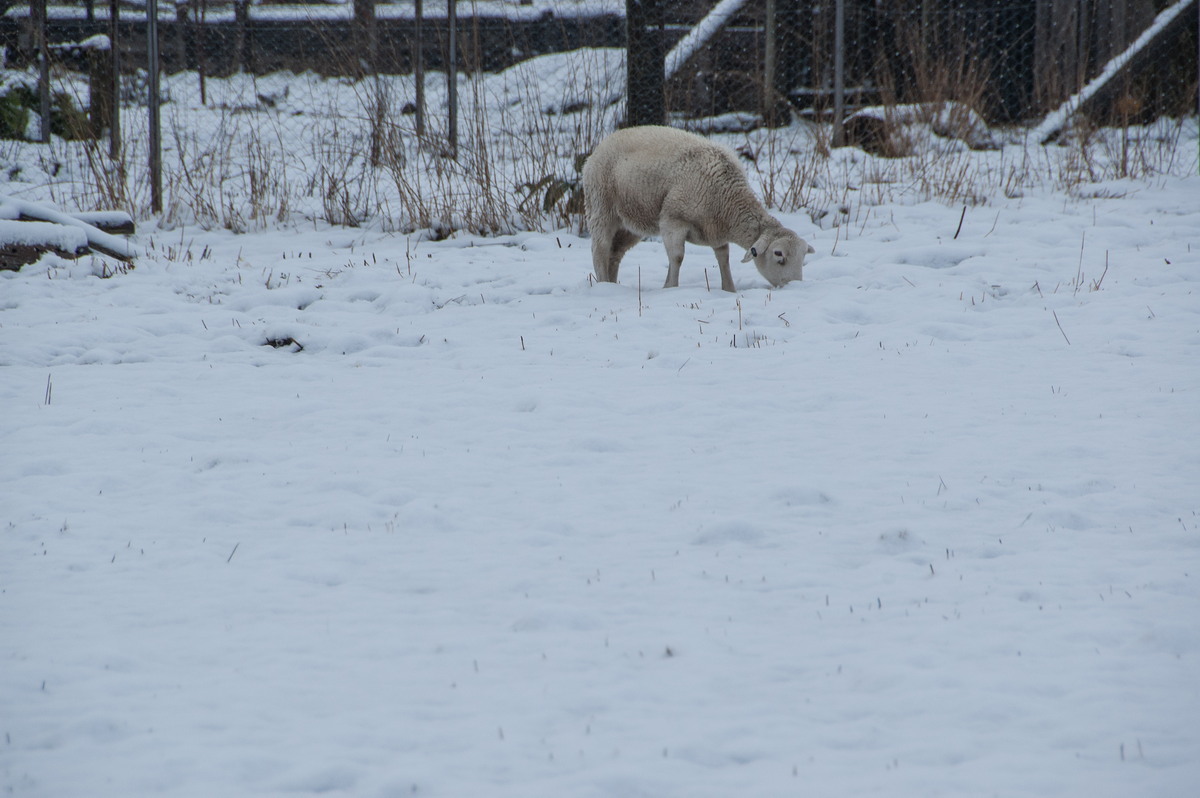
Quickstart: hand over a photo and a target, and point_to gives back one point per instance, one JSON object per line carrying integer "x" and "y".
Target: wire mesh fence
{"x": 358, "y": 88}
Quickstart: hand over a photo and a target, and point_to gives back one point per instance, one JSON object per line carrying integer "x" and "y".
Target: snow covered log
{"x": 22, "y": 242}
{"x": 114, "y": 246}
{"x": 27, "y": 226}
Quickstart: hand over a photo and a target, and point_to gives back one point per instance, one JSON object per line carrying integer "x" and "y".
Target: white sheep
{"x": 644, "y": 181}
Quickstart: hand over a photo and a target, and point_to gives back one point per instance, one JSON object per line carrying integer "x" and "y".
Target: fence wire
{"x": 268, "y": 65}
{"x": 1013, "y": 59}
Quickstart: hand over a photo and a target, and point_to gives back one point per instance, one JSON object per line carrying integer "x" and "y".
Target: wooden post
{"x": 241, "y": 19}
{"x": 102, "y": 98}
{"x": 644, "y": 59}
{"x": 114, "y": 130}
{"x": 1056, "y": 51}
{"x": 782, "y": 59}
{"x": 366, "y": 38}
{"x": 38, "y": 12}
{"x": 178, "y": 49}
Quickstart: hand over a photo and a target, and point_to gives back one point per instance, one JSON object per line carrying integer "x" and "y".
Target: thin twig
{"x": 1079, "y": 269}
{"x": 1060, "y": 329}
{"x": 960, "y": 222}
{"x": 1096, "y": 285}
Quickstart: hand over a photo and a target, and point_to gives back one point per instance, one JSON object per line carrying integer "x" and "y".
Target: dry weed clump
{"x": 346, "y": 152}
{"x": 795, "y": 172}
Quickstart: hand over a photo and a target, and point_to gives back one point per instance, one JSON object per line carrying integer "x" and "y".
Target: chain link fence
{"x": 1012, "y": 60}
{"x": 269, "y": 108}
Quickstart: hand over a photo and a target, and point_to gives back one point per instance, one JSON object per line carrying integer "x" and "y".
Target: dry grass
{"x": 359, "y": 161}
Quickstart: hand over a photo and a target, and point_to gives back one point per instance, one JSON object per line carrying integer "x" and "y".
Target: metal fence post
{"x": 452, "y": 77}
{"x": 114, "y": 130}
{"x": 770, "y": 34}
{"x": 419, "y": 65}
{"x": 155, "y": 138}
{"x": 839, "y": 72}
{"x": 200, "y": 22}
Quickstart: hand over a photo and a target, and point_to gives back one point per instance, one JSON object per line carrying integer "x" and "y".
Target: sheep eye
{"x": 753, "y": 252}
{"x": 779, "y": 253}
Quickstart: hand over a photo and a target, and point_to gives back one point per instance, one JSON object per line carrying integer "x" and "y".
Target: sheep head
{"x": 779, "y": 255}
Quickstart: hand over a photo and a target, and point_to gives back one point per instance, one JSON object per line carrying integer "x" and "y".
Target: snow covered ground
{"x": 330, "y": 510}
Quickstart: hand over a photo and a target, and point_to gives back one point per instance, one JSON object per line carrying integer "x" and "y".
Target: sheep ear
{"x": 760, "y": 244}
{"x": 811, "y": 251}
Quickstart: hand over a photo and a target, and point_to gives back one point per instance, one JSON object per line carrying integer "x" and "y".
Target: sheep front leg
{"x": 722, "y": 253}
{"x": 601, "y": 255}
{"x": 673, "y": 241}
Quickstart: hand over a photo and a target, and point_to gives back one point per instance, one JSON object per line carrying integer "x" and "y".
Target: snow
{"x": 13, "y": 208}
{"x": 327, "y": 510}
{"x": 96, "y": 42}
{"x": 70, "y": 239}
{"x": 432, "y": 9}
{"x": 105, "y": 219}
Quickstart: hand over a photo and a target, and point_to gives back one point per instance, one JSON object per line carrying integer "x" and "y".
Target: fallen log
{"x": 22, "y": 243}
{"x": 26, "y": 224}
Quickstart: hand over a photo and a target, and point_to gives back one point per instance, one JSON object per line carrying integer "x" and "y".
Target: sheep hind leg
{"x": 622, "y": 242}
{"x": 722, "y": 253}
{"x": 673, "y": 241}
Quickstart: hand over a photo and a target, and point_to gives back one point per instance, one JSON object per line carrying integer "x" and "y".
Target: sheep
{"x": 653, "y": 180}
